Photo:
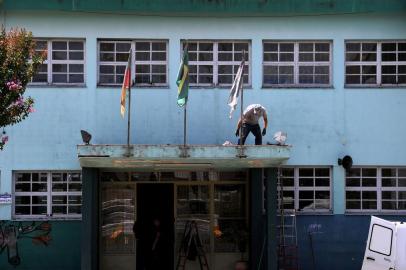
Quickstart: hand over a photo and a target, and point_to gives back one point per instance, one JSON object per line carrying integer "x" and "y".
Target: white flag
{"x": 236, "y": 89}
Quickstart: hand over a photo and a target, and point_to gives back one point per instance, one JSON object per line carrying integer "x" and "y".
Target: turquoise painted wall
{"x": 322, "y": 124}
{"x": 219, "y": 7}
{"x": 63, "y": 253}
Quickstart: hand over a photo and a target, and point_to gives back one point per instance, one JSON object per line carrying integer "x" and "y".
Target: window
{"x": 149, "y": 59}
{"x": 381, "y": 240}
{"x": 47, "y": 194}
{"x": 63, "y": 62}
{"x": 297, "y": 64}
{"x": 215, "y": 63}
{"x": 305, "y": 189}
{"x": 376, "y": 189}
{"x": 370, "y": 63}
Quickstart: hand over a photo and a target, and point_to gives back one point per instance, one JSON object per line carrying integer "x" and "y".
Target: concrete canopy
{"x": 167, "y": 157}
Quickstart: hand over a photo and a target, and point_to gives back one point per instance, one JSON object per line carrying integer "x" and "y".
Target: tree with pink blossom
{"x": 18, "y": 63}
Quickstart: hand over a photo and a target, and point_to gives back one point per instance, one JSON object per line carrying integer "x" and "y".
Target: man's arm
{"x": 265, "y": 116}
{"x": 265, "y": 120}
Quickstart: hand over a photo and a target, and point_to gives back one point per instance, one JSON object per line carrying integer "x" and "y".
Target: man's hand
{"x": 264, "y": 132}
{"x": 237, "y": 132}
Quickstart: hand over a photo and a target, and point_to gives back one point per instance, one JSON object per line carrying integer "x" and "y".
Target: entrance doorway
{"x": 155, "y": 226}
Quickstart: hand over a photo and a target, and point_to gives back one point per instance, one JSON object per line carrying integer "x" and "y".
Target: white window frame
{"x": 378, "y": 64}
{"x": 297, "y": 188}
{"x": 378, "y": 189}
{"x": 134, "y": 62}
{"x": 296, "y": 63}
{"x": 49, "y": 194}
{"x": 215, "y": 62}
{"x": 49, "y": 61}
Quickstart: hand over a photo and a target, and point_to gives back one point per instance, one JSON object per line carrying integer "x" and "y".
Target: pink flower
{"x": 20, "y": 101}
{"x": 14, "y": 86}
{"x": 31, "y": 109}
{"x": 4, "y": 139}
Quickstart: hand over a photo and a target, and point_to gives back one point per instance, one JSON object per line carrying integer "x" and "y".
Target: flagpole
{"x": 184, "y": 125}
{"x": 129, "y": 107}
{"x": 129, "y": 115}
{"x": 242, "y": 97}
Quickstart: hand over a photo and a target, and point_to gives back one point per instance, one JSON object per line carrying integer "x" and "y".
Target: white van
{"x": 386, "y": 246}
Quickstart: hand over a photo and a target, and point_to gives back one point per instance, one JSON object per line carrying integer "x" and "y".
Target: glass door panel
{"x": 118, "y": 245}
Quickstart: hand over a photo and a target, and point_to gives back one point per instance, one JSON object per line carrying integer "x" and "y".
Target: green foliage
{"x": 18, "y": 63}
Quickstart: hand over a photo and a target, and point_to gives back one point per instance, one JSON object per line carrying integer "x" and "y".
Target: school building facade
{"x": 331, "y": 74}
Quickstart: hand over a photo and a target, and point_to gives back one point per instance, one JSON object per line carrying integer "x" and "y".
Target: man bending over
{"x": 250, "y": 123}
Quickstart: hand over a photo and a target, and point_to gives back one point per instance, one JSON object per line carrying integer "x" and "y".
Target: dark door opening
{"x": 155, "y": 226}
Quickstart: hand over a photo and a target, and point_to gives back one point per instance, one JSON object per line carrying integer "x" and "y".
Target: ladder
{"x": 191, "y": 240}
{"x": 287, "y": 247}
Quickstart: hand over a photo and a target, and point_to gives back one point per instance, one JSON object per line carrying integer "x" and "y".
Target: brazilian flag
{"x": 183, "y": 79}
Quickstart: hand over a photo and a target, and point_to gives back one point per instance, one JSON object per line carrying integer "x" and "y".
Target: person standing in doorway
{"x": 250, "y": 123}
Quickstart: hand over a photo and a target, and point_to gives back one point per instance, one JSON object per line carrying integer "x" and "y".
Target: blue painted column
{"x": 271, "y": 206}
{"x": 338, "y": 190}
{"x": 257, "y": 221}
{"x": 90, "y": 224}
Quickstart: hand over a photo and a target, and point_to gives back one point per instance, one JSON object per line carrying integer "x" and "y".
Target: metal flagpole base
{"x": 184, "y": 151}
{"x": 241, "y": 152}
{"x": 129, "y": 151}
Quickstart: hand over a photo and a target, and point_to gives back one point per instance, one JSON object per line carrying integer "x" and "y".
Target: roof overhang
{"x": 170, "y": 157}
{"x": 211, "y": 8}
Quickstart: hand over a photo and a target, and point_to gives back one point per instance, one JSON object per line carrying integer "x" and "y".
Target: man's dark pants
{"x": 256, "y": 131}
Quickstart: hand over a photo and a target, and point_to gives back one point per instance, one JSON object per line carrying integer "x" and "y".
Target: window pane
{"x": 205, "y": 46}
{"x": 229, "y": 200}
{"x": 353, "y": 195}
{"x": 306, "y": 195}
{"x": 142, "y": 46}
{"x": 159, "y": 46}
{"x": 122, "y": 57}
{"x": 368, "y": 57}
{"x": 389, "y": 205}
{"x": 108, "y": 57}
{"x": 271, "y": 47}
{"x": 369, "y": 47}
{"x": 59, "y": 68}
{"x": 106, "y": 46}
{"x": 22, "y": 210}
{"x": 369, "y": 195}
{"x": 353, "y": 205}
{"x": 286, "y": 57}
{"x": 59, "y": 78}
{"x": 123, "y": 47}
{"x": 388, "y": 47}
{"x": 306, "y": 182}
{"x": 158, "y": 78}
{"x": 21, "y": 187}
{"x": 286, "y": 47}
{"x": 142, "y": 56}
{"x": 59, "y": 45}
{"x": 352, "y": 79}
{"x": 369, "y": 204}
{"x": 158, "y": 56}
{"x": 76, "y": 78}
{"x": 369, "y": 172}
{"x": 37, "y": 187}
{"x": 354, "y": 57}
{"x": 59, "y": 210}
{"x": 56, "y": 55}
{"x": 306, "y": 172}
{"x": 76, "y": 55}
{"x": 368, "y": 182}
{"x": 75, "y": 45}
